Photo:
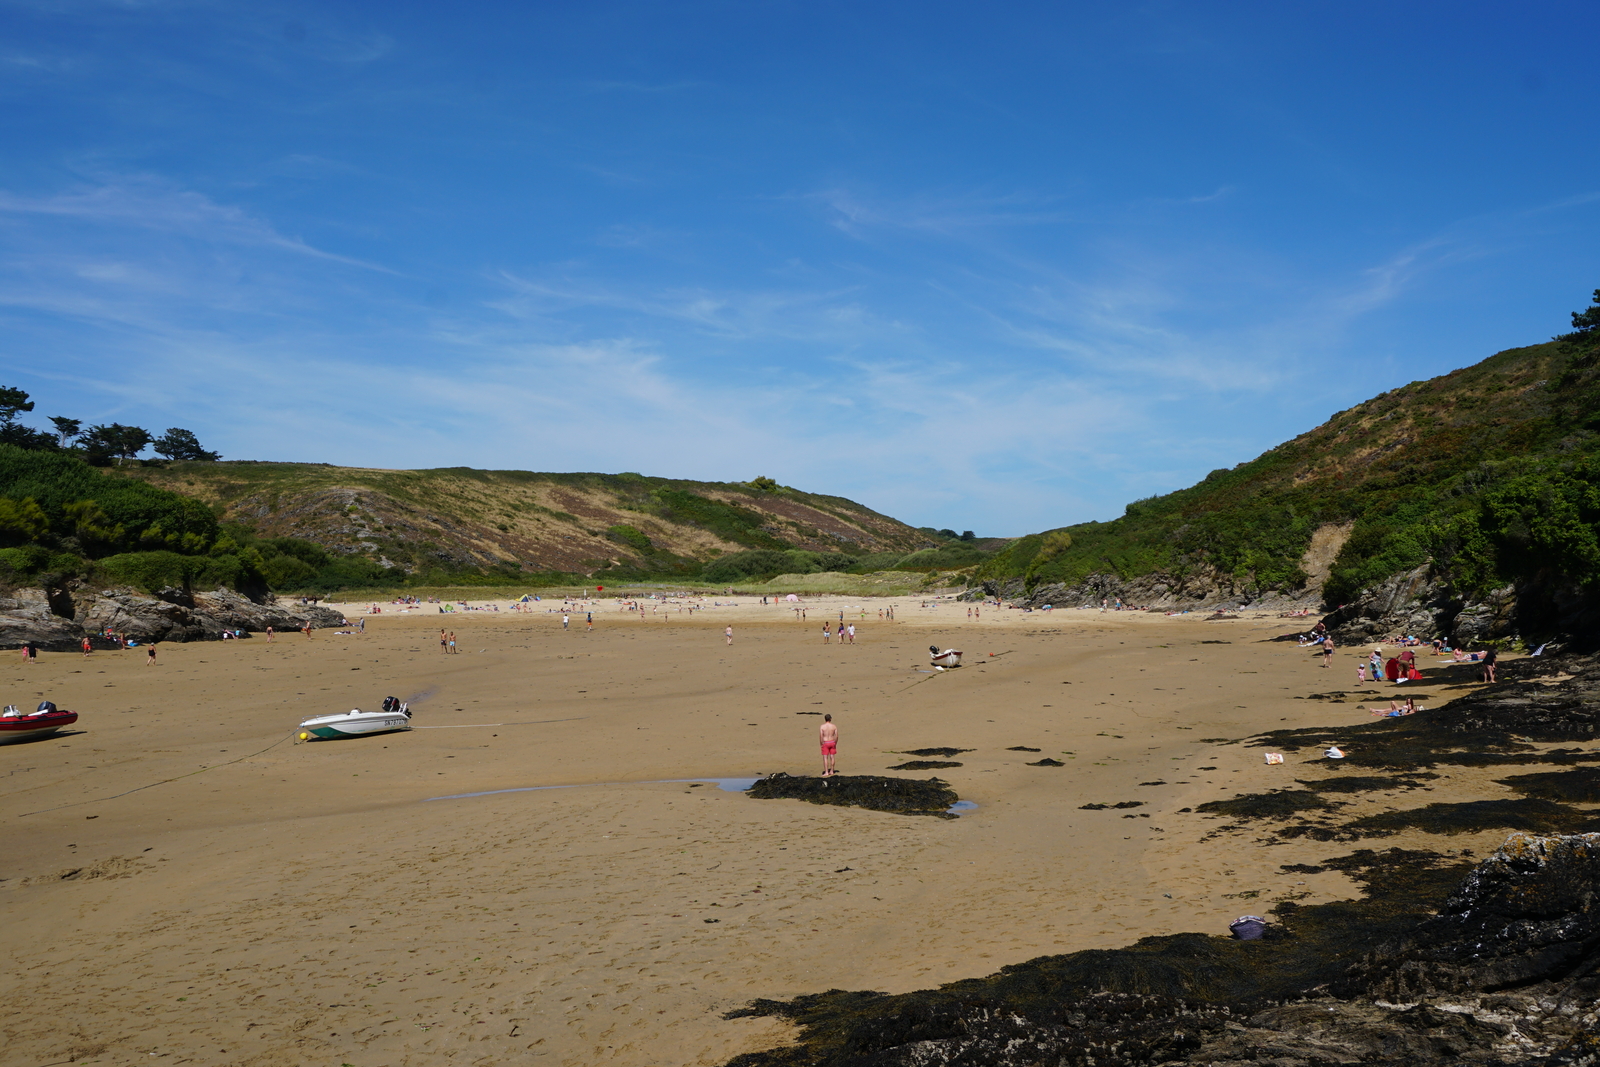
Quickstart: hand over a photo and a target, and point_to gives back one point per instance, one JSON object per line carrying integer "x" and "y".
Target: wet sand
{"x": 311, "y": 903}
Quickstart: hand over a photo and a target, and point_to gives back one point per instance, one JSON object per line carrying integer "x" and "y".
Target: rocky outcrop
{"x": 58, "y": 621}
{"x": 1165, "y": 592}
{"x": 1530, "y": 913}
{"x": 1423, "y": 603}
{"x": 27, "y": 618}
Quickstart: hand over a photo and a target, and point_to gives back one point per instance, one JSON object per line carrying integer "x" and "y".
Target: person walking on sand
{"x": 829, "y": 736}
{"x": 452, "y": 648}
{"x": 150, "y": 655}
{"x": 1327, "y": 652}
{"x": 85, "y": 648}
{"x": 827, "y": 632}
{"x": 269, "y": 635}
{"x": 444, "y": 642}
{"x": 728, "y": 633}
{"x": 1488, "y": 662}
{"x": 588, "y": 623}
{"x": 564, "y": 620}
{"x": 852, "y": 630}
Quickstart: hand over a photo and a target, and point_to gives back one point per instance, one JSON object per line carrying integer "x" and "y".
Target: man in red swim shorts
{"x": 830, "y": 745}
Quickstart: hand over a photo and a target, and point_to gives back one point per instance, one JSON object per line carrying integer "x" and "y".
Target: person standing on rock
{"x": 829, "y": 736}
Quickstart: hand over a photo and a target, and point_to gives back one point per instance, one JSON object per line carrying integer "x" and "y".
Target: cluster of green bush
{"x": 763, "y": 564}
{"x": 1498, "y": 481}
{"x": 61, "y": 518}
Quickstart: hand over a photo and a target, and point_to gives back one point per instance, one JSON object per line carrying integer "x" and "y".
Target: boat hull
{"x": 21, "y": 727}
{"x": 948, "y": 658}
{"x": 336, "y": 727}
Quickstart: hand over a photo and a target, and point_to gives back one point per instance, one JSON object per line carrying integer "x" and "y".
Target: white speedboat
{"x": 950, "y": 657}
{"x": 357, "y": 723}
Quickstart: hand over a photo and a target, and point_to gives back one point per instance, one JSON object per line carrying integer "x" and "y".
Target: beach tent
{"x": 791, "y": 598}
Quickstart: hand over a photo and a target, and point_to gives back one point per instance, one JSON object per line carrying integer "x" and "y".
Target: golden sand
{"x": 311, "y": 903}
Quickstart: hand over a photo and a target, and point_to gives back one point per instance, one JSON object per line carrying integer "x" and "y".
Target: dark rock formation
{"x": 27, "y": 618}
{"x": 58, "y": 621}
{"x": 1529, "y": 913}
{"x": 903, "y": 796}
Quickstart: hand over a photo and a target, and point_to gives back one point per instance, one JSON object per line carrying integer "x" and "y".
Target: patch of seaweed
{"x": 1395, "y": 873}
{"x": 1047, "y": 762}
{"x": 1362, "y": 783}
{"x": 1023, "y": 748}
{"x": 1538, "y": 816}
{"x": 1118, "y": 804}
{"x": 1156, "y": 1001}
{"x": 923, "y": 765}
{"x": 1580, "y": 786}
{"x": 945, "y": 752}
{"x": 1494, "y": 726}
{"x": 1278, "y": 804}
{"x": 902, "y": 796}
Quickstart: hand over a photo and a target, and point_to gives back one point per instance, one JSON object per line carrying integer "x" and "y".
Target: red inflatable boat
{"x": 14, "y": 725}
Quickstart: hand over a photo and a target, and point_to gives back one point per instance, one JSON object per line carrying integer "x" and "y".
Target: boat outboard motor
{"x": 391, "y": 704}
{"x": 934, "y": 649}
{"x": 45, "y": 707}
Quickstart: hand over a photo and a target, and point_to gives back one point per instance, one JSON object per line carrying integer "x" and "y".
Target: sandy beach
{"x": 184, "y": 883}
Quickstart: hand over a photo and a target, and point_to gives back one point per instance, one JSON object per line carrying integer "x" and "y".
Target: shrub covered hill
{"x": 1466, "y": 505}
{"x": 463, "y": 526}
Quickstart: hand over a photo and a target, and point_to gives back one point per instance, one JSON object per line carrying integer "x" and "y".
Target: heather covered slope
{"x": 457, "y": 518}
{"x": 1488, "y": 476}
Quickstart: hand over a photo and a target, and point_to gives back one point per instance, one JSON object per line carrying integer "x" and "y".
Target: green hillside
{"x": 1492, "y": 472}
{"x": 310, "y": 527}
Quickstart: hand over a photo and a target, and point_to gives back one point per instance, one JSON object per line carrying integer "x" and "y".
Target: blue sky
{"x": 998, "y": 267}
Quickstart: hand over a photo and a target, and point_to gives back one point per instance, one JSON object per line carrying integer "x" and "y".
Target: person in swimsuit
{"x": 728, "y": 633}
{"x": 150, "y": 655}
{"x": 827, "y": 632}
{"x": 829, "y": 735}
{"x": 1327, "y": 652}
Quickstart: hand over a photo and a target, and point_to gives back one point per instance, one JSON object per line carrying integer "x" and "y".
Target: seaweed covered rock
{"x": 1483, "y": 728}
{"x": 903, "y": 796}
{"x": 1529, "y": 913}
{"x": 1525, "y": 919}
{"x": 1568, "y": 710}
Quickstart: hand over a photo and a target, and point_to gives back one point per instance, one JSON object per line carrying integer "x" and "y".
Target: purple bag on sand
{"x": 1248, "y": 927}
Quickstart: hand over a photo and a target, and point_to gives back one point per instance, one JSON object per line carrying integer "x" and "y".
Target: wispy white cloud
{"x": 150, "y": 204}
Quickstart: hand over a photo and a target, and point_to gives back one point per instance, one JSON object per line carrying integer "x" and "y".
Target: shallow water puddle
{"x": 727, "y": 785}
